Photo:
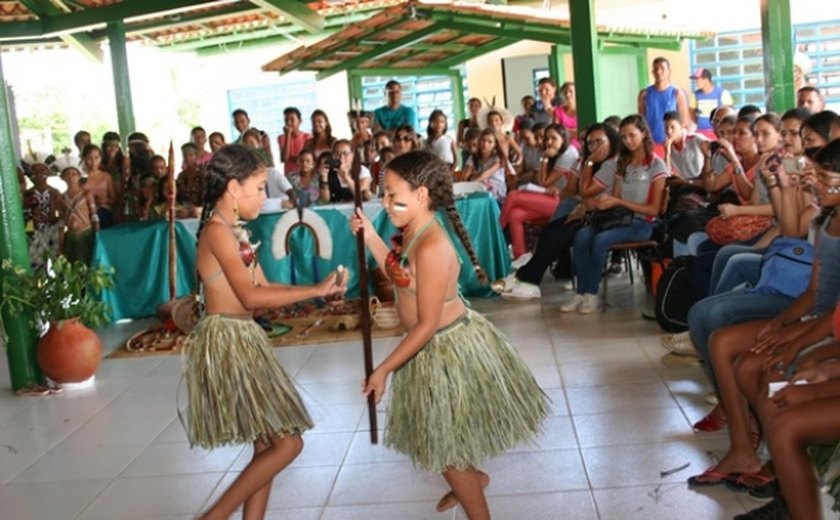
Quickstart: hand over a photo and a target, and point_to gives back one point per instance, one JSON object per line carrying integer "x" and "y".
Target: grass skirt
{"x": 466, "y": 396}
{"x": 238, "y": 392}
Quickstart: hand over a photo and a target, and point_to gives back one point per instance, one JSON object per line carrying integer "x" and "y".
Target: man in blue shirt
{"x": 393, "y": 115}
{"x": 659, "y": 98}
{"x": 706, "y": 98}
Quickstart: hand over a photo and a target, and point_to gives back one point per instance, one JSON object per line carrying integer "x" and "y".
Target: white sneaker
{"x": 679, "y": 344}
{"x": 522, "y": 260}
{"x": 573, "y": 304}
{"x": 523, "y": 291}
{"x": 504, "y": 284}
{"x": 569, "y": 285}
{"x": 591, "y": 303}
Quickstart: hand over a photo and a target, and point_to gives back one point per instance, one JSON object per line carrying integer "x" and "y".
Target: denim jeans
{"x": 742, "y": 268}
{"x": 721, "y": 310}
{"x": 722, "y": 259}
{"x": 591, "y": 249}
{"x": 689, "y": 247}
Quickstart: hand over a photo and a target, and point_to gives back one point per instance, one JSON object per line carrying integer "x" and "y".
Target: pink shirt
{"x": 290, "y": 165}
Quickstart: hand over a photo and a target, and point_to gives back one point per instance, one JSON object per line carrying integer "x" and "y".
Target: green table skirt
{"x": 139, "y": 252}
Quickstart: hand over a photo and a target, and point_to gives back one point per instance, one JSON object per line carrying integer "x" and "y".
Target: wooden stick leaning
{"x": 172, "y": 246}
{"x": 355, "y": 172}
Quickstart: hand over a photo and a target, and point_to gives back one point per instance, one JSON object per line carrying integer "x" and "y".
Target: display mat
{"x": 300, "y": 324}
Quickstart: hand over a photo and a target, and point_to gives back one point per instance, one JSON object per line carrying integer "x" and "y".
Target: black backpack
{"x": 675, "y": 295}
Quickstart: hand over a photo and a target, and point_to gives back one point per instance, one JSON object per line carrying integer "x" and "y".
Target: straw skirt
{"x": 467, "y": 395}
{"x": 238, "y": 392}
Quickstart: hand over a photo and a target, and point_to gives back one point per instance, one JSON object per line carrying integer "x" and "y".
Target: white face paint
{"x": 399, "y": 206}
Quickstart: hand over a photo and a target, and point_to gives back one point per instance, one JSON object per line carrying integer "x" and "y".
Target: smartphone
{"x": 794, "y": 165}
{"x": 714, "y": 146}
{"x": 339, "y": 275}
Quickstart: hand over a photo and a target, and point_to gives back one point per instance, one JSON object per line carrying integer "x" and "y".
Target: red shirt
{"x": 290, "y": 165}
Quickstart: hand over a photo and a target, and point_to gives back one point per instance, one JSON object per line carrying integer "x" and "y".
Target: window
{"x": 736, "y": 61}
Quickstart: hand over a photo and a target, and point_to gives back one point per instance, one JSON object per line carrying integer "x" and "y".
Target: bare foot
{"x": 448, "y": 501}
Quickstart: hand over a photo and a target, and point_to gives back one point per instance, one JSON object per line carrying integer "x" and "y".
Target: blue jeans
{"x": 689, "y": 247}
{"x": 722, "y": 260}
{"x": 740, "y": 269}
{"x": 591, "y": 249}
{"x": 721, "y": 310}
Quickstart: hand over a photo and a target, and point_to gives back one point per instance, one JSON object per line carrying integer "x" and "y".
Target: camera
{"x": 794, "y": 165}
{"x": 333, "y": 163}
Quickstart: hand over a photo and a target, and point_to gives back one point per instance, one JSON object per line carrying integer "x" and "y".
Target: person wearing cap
{"x": 659, "y": 98}
{"x": 394, "y": 115}
{"x": 706, "y": 98}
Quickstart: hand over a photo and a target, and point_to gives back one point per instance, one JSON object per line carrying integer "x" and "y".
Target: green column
{"x": 122, "y": 84}
{"x": 777, "y": 41}
{"x": 458, "y": 104}
{"x": 354, "y": 87}
{"x": 556, "y": 66}
{"x": 20, "y": 350}
{"x": 585, "y": 58}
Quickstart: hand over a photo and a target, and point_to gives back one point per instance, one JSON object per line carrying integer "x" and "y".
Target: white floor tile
{"x": 141, "y": 497}
{"x": 665, "y": 502}
{"x": 80, "y": 463}
{"x": 48, "y": 500}
{"x": 618, "y": 419}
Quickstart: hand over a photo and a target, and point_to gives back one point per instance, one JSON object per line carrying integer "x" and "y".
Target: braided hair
{"x": 230, "y": 162}
{"x": 421, "y": 168}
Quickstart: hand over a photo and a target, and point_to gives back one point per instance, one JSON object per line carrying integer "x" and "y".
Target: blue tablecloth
{"x": 139, "y": 253}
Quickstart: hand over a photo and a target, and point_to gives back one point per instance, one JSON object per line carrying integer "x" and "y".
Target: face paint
{"x": 399, "y": 206}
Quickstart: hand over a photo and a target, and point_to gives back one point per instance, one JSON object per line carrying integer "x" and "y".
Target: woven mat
{"x": 309, "y": 325}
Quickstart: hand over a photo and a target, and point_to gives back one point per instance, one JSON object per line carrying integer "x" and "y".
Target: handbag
{"x": 739, "y": 228}
{"x": 785, "y": 268}
{"x": 605, "y": 219}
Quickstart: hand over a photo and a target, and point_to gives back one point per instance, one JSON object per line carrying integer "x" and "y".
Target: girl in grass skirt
{"x": 238, "y": 392}
{"x": 461, "y": 393}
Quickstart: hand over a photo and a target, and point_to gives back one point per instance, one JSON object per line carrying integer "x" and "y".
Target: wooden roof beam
{"x": 296, "y": 12}
{"x": 378, "y": 52}
{"x": 80, "y": 41}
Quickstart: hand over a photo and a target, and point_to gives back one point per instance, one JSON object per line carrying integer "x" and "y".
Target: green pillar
{"x": 20, "y": 350}
{"x": 585, "y": 58}
{"x": 458, "y": 104}
{"x": 354, "y": 87}
{"x": 777, "y": 43}
{"x": 122, "y": 84}
{"x": 556, "y": 67}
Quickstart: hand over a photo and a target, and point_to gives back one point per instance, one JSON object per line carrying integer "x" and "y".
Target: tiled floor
{"x": 117, "y": 451}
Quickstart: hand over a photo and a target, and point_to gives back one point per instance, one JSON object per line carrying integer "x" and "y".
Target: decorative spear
{"x": 355, "y": 171}
{"x": 171, "y": 180}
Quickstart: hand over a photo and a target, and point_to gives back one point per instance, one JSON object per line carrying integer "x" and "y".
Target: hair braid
{"x": 231, "y": 162}
{"x": 464, "y": 237}
{"x": 422, "y": 168}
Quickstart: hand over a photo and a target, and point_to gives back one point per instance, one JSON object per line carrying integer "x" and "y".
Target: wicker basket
{"x": 384, "y": 314}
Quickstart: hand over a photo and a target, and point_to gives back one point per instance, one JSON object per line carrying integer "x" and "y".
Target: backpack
{"x": 675, "y": 295}
{"x": 785, "y": 268}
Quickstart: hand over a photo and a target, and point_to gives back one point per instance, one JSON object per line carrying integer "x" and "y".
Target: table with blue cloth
{"x": 139, "y": 252}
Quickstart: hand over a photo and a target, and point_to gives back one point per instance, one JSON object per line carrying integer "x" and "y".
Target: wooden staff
{"x": 171, "y": 181}
{"x": 355, "y": 172}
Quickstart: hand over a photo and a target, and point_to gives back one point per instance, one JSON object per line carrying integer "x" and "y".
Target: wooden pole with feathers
{"x": 355, "y": 171}
{"x": 171, "y": 202}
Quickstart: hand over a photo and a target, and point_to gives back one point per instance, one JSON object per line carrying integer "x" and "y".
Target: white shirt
{"x": 278, "y": 184}
{"x": 688, "y": 161}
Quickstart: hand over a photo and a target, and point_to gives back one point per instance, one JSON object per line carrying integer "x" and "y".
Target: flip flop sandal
{"x": 711, "y": 477}
{"x": 751, "y": 481}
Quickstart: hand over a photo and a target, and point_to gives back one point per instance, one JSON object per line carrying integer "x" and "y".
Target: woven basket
{"x": 384, "y": 314}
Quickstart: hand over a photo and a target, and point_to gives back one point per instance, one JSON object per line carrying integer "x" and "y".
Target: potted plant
{"x": 61, "y": 295}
